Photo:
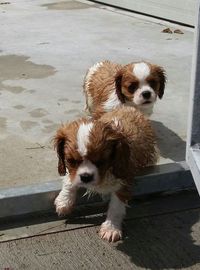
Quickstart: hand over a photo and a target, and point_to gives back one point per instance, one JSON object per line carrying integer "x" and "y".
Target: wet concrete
{"x": 16, "y": 67}
{"x": 2, "y": 123}
{"x": 28, "y": 124}
{"x": 50, "y": 128}
{"x": 45, "y": 52}
{"x": 38, "y": 113}
{"x": 19, "y": 107}
{"x": 12, "y": 89}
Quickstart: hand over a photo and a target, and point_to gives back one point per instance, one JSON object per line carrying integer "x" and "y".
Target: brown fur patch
{"x": 128, "y": 79}
{"x": 100, "y": 84}
{"x": 158, "y": 75}
{"x": 137, "y": 130}
{"x": 103, "y": 142}
{"x": 65, "y": 142}
{"x": 125, "y": 194}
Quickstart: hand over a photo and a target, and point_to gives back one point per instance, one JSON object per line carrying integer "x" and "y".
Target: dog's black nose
{"x": 86, "y": 177}
{"x": 146, "y": 94}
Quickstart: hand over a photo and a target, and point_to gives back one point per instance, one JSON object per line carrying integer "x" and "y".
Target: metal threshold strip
{"x": 193, "y": 159}
{"x": 18, "y": 201}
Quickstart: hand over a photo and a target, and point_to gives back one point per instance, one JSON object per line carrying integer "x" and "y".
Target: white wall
{"x": 177, "y": 10}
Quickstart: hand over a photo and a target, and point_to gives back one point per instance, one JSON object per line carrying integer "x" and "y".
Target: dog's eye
{"x": 152, "y": 83}
{"x": 132, "y": 87}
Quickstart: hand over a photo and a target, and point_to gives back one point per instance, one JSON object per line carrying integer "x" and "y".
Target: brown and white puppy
{"x": 103, "y": 156}
{"x": 108, "y": 85}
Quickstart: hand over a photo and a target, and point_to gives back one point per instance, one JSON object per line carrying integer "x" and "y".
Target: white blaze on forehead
{"x": 83, "y": 138}
{"x": 141, "y": 71}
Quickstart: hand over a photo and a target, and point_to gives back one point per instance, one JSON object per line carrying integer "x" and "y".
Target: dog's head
{"x": 88, "y": 149}
{"x": 140, "y": 84}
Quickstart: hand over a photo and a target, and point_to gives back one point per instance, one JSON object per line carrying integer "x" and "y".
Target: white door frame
{"x": 193, "y": 139}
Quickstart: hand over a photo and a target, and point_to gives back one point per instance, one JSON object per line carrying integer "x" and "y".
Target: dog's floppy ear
{"x": 118, "y": 86}
{"x": 121, "y": 153}
{"x": 59, "y": 145}
{"x": 162, "y": 80}
{"x": 121, "y": 159}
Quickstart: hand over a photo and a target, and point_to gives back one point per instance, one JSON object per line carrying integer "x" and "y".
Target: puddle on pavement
{"x": 28, "y": 124}
{"x": 19, "y": 107}
{"x": 68, "y": 5}
{"x": 14, "y": 89}
{"x": 50, "y": 128}
{"x": 47, "y": 121}
{"x": 31, "y": 91}
{"x": 63, "y": 99}
{"x": 16, "y": 67}
{"x": 76, "y": 101}
{"x": 38, "y": 113}
{"x": 72, "y": 111}
{"x": 3, "y": 121}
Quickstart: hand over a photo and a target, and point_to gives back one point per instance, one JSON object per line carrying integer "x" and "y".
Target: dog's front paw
{"x": 63, "y": 207}
{"x": 110, "y": 233}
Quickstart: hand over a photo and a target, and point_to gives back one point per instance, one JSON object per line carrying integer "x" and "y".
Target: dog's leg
{"x": 111, "y": 229}
{"x": 65, "y": 201}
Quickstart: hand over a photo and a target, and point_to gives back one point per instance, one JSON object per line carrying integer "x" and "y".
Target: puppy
{"x": 103, "y": 156}
{"x": 108, "y": 85}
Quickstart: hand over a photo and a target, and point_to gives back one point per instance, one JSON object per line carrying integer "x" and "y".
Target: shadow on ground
{"x": 161, "y": 233}
{"x": 171, "y": 146}
{"x": 163, "y": 242}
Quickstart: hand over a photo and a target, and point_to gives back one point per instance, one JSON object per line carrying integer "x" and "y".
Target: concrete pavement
{"x": 45, "y": 49}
